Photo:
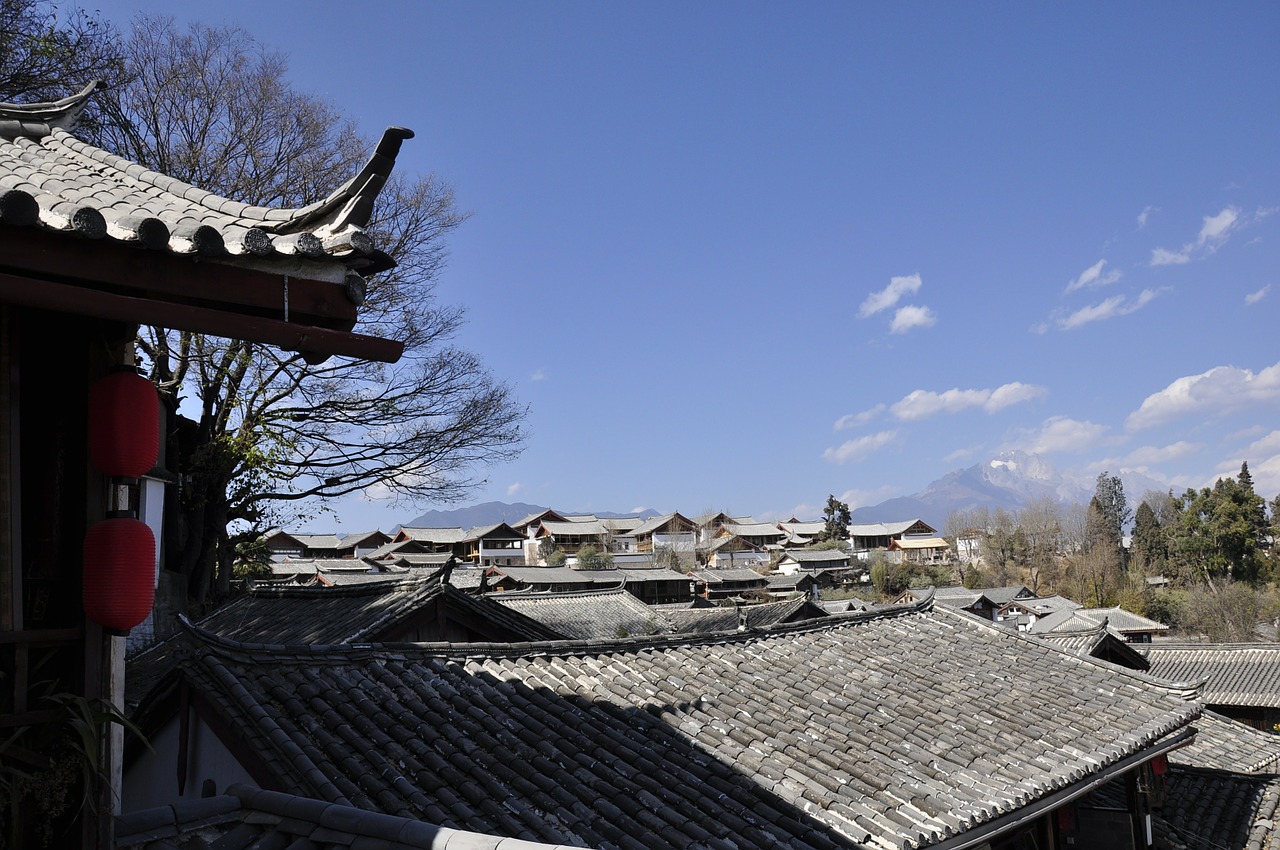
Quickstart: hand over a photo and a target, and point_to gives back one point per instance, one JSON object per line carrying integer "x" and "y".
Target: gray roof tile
{"x": 1244, "y": 674}
{"x": 588, "y": 616}
{"x": 662, "y": 729}
{"x": 77, "y": 187}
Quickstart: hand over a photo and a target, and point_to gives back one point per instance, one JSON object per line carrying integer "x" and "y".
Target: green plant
{"x": 44, "y": 766}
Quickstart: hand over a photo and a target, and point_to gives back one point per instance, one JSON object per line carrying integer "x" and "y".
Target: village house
{"x": 813, "y": 561}
{"x": 985, "y": 602}
{"x": 281, "y": 544}
{"x": 864, "y": 537}
{"x": 729, "y": 553}
{"x": 763, "y": 534}
{"x": 928, "y": 550}
{"x": 735, "y": 584}
{"x": 672, "y": 532}
{"x": 802, "y": 532}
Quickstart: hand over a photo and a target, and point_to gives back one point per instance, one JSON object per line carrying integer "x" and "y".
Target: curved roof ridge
{"x": 1188, "y": 691}
{"x": 346, "y": 208}
{"x": 40, "y": 118}
{"x": 542, "y": 648}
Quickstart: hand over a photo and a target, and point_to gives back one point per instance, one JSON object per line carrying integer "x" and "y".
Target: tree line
{"x": 1203, "y": 560}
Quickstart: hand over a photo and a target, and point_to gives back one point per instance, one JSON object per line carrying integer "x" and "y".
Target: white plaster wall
{"x": 151, "y": 780}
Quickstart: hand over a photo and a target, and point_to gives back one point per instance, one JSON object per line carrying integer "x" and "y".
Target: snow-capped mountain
{"x": 1009, "y": 480}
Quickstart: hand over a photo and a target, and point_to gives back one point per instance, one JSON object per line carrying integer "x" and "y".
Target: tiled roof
{"x": 653, "y": 524}
{"x": 1098, "y": 642}
{"x": 718, "y": 576}
{"x": 524, "y": 521}
{"x": 561, "y": 575}
{"x": 587, "y": 528}
{"x": 318, "y": 541}
{"x": 395, "y": 546}
{"x": 734, "y": 542}
{"x": 435, "y": 535}
{"x": 903, "y": 729}
{"x": 413, "y": 559}
{"x": 730, "y": 618}
{"x": 316, "y": 615}
{"x": 247, "y": 818}
{"x": 622, "y": 524}
{"x": 754, "y": 529}
{"x": 358, "y": 538}
{"x": 595, "y": 615}
{"x": 1238, "y": 674}
{"x": 298, "y": 615}
{"x": 1211, "y": 810}
{"x": 51, "y": 180}
{"x": 808, "y": 529}
{"x": 1226, "y": 744}
{"x": 1120, "y": 620}
{"x": 816, "y": 556}
{"x": 499, "y": 530}
{"x": 467, "y": 578}
{"x": 844, "y": 606}
{"x": 635, "y": 574}
{"x": 919, "y": 543}
{"x": 880, "y": 529}
{"x": 293, "y": 566}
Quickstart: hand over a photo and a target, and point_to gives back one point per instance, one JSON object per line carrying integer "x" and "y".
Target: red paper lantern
{"x": 124, "y": 424}
{"x": 119, "y": 573}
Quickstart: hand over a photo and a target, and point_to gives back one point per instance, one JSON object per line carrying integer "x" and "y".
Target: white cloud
{"x": 859, "y": 448}
{"x": 1222, "y": 389}
{"x": 1254, "y": 297}
{"x": 910, "y": 317}
{"x": 920, "y": 404}
{"x": 889, "y": 296}
{"x": 1148, "y": 455}
{"x": 1269, "y": 444}
{"x": 1116, "y": 305}
{"x": 539, "y": 375}
{"x": 1013, "y": 393}
{"x": 1144, "y": 215}
{"x": 1264, "y": 470}
{"x": 1093, "y": 277}
{"x": 1060, "y": 434}
{"x": 1266, "y": 476}
{"x": 854, "y": 419}
{"x": 1216, "y": 227}
{"x": 1165, "y": 257}
{"x": 515, "y": 489}
{"x": 1214, "y": 231}
{"x": 859, "y": 498}
{"x": 961, "y": 454}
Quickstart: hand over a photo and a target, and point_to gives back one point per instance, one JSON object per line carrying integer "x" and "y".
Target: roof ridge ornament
{"x": 358, "y": 194}
{"x": 36, "y": 120}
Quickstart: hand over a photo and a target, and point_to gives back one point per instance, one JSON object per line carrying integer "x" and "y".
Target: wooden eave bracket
{"x": 313, "y": 342}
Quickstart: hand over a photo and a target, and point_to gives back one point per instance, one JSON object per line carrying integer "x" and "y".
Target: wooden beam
{"x": 291, "y": 336}
{"x": 162, "y": 276}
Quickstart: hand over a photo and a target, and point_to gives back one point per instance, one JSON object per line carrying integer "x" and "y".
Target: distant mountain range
{"x": 1010, "y": 480}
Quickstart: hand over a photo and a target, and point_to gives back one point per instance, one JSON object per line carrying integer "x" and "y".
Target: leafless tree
{"x": 271, "y": 433}
{"x": 48, "y": 52}
{"x": 1041, "y": 525}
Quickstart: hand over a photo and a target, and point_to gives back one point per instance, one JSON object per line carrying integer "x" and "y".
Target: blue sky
{"x": 740, "y": 256}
